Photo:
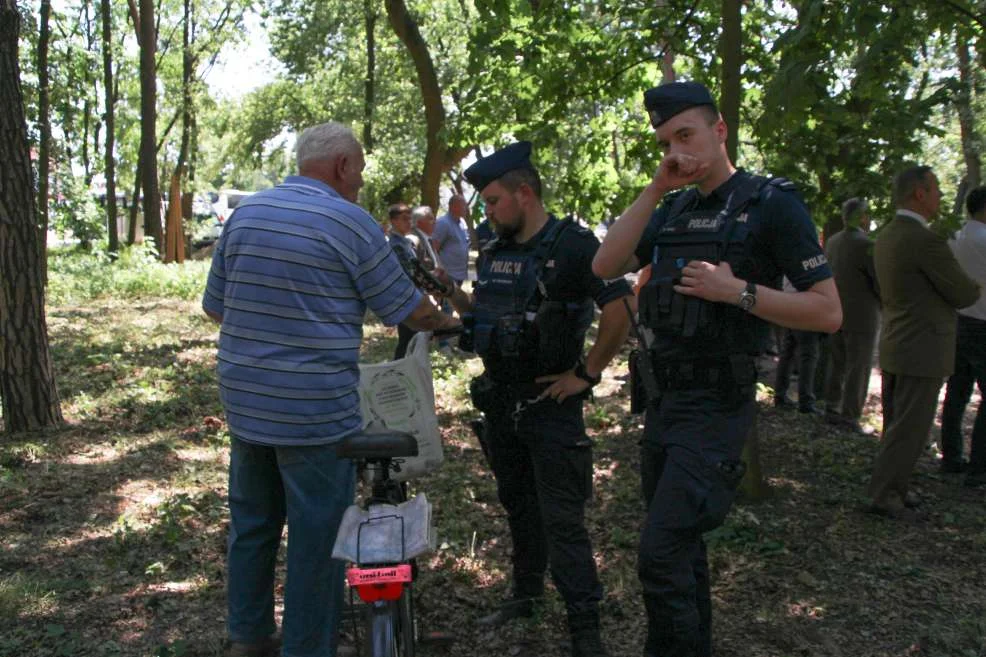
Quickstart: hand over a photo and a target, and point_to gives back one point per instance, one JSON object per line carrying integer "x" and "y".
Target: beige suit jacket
{"x": 850, "y": 255}
{"x": 921, "y": 286}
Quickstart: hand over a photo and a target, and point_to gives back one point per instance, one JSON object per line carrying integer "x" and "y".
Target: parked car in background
{"x": 226, "y": 201}
{"x": 211, "y": 212}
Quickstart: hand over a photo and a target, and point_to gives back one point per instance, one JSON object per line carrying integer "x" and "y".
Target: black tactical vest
{"x": 516, "y": 327}
{"x": 693, "y": 325}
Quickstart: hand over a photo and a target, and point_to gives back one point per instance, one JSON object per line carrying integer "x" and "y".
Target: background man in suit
{"x": 921, "y": 285}
{"x": 969, "y": 248}
{"x": 850, "y": 254}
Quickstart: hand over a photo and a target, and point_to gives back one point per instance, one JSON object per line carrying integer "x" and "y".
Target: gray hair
{"x": 421, "y": 212}
{"x": 853, "y": 210}
{"x": 908, "y": 181}
{"x": 324, "y": 142}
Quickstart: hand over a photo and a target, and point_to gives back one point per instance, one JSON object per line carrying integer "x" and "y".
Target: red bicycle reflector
{"x": 374, "y": 584}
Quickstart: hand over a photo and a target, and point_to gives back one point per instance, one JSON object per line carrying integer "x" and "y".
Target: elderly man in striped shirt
{"x": 292, "y": 276}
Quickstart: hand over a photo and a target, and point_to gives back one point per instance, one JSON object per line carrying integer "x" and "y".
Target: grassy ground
{"x": 112, "y": 529}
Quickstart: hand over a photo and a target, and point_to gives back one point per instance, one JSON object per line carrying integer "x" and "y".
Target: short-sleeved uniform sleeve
{"x": 575, "y": 280}
{"x": 791, "y": 238}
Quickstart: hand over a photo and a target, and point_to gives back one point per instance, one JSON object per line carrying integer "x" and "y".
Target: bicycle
{"x": 385, "y": 587}
{"x": 384, "y": 579}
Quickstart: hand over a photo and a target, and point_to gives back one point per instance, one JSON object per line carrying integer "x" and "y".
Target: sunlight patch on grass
{"x": 787, "y": 484}
{"x": 196, "y": 583}
{"x": 22, "y": 595}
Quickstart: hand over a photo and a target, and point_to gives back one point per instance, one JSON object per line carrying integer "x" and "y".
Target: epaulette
{"x": 784, "y": 184}
{"x": 672, "y": 195}
{"x": 579, "y": 229}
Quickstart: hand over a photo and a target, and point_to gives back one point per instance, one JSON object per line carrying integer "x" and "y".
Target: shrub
{"x": 75, "y": 277}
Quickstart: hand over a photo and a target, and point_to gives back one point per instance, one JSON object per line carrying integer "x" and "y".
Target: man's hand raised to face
{"x": 677, "y": 170}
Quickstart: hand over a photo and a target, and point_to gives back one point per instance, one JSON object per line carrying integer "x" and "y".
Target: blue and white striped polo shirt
{"x": 292, "y": 276}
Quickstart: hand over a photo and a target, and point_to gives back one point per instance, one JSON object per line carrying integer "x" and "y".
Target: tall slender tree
{"x": 148, "y": 122}
{"x": 44, "y": 120}
{"x": 109, "y": 119}
{"x": 731, "y": 52}
{"x": 27, "y": 378}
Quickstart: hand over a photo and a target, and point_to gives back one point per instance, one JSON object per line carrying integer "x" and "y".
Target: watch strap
{"x": 583, "y": 374}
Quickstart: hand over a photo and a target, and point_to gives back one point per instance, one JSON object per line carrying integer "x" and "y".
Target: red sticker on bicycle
{"x": 387, "y": 575}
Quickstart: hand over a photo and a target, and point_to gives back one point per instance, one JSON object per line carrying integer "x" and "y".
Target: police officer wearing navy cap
{"x": 717, "y": 253}
{"x": 532, "y": 307}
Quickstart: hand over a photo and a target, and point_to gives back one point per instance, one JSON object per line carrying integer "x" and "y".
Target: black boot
{"x": 586, "y": 638}
{"x": 511, "y": 609}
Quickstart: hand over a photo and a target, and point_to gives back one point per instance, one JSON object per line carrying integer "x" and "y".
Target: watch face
{"x": 747, "y": 301}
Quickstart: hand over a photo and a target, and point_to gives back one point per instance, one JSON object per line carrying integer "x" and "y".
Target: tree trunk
{"x": 27, "y": 376}
{"x": 370, "y": 14}
{"x": 148, "y": 123}
{"x": 667, "y": 51}
{"x": 407, "y": 31}
{"x": 731, "y": 53}
{"x": 88, "y": 125}
{"x": 44, "y": 129}
{"x": 967, "y": 124}
{"x": 135, "y": 205}
{"x": 109, "y": 119}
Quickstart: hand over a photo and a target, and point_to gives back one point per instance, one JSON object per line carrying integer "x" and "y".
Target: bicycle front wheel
{"x": 390, "y": 627}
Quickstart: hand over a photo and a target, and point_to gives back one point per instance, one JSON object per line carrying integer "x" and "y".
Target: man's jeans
{"x": 310, "y": 488}
{"x": 970, "y": 368}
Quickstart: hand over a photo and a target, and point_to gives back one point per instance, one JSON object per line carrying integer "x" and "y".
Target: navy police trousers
{"x": 693, "y": 440}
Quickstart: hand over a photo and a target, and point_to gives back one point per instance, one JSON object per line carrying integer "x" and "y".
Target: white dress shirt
{"x": 969, "y": 247}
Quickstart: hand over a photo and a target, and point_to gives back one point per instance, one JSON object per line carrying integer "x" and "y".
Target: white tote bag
{"x": 399, "y": 396}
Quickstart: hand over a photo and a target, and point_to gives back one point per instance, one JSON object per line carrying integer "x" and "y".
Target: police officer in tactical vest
{"x": 533, "y": 303}
{"x": 717, "y": 253}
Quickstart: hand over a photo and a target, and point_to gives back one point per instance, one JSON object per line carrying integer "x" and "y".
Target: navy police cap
{"x": 667, "y": 100}
{"x": 486, "y": 170}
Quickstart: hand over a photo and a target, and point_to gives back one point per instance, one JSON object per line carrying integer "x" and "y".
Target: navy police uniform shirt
{"x": 782, "y": 239}
{"x": 567, "y": 277}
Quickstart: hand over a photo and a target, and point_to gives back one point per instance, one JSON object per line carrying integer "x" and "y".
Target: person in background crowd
{"x": 969, "y": 247}
{"x": 921, "y": 286}
{"x": 850, "y": 254}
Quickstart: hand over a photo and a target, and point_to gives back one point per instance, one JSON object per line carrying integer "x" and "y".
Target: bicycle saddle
{"x": 377, "y": 446}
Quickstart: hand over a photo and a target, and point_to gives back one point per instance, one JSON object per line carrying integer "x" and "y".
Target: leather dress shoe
{"x": 509, "y": 610}
{"x": 267, "y": 647}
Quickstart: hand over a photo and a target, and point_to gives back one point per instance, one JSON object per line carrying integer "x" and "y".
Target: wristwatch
{"x": 581, "y": 372}
{"x": 748, "y": 297}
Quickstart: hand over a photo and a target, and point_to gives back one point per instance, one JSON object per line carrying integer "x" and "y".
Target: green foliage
{"x": 74, "y": 211}
{"x": 76, "y": 277}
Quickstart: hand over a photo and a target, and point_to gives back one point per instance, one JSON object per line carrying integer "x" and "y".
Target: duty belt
{"x": 729, "y": 371}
